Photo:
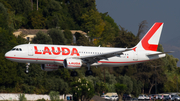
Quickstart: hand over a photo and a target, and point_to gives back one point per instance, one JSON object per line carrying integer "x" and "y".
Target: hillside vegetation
{"x": 57, "y": 15}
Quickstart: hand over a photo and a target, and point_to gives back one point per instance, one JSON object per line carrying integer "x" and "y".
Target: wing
{"x": 95, "y": 58}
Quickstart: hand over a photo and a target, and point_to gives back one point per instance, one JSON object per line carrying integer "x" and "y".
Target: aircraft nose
{"x": 7, "y": 55}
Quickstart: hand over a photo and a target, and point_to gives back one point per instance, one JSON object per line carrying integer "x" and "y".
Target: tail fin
{"x": 151, "y": 39}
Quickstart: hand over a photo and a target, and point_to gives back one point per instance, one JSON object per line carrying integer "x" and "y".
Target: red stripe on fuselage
{"x": 63, "y": 60}
{"x": 33, "y": 58}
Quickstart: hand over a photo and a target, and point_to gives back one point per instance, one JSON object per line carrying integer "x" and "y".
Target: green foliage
{"x": 36, "y": 20}
{"x": 42, "y": 38}
{"x": 68, "y": 35}
{"x": 126, "y": 80}
{"x": 41, "y": 99}
{"x": 110, "y": 80}
{"x": 20, "y": 6}
{"x": 82, "y": 89}
{"x": 7, "y": 41}
{"x": 54, "y": 96}
{"x": 8, "y": 74}
{"x": 111, "y": 30}
{"x": 83, "y": 41}
{"x": 3, "y": 16}
{"x": 77, "y": 15}
{"x": 93, "y": 23}
{"x": 137, "y": 86}
{"x": 57, "y": 36}
{"x": 101, "y": 87}
{"x": 21, "y": 40}
{"x": 78, "y": 7}
{"x": 78, "y": 35}
{"x": 125, "y": 39}
{"x": 120, "y": 89}
{"x": 22, "y": 97}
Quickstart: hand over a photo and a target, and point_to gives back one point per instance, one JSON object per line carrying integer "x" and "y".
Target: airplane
{"x": 72, "y": 57}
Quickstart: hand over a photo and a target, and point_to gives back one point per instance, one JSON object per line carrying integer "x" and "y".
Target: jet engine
{"x": 72, "y": 63}
{"x": 49, "y": 67}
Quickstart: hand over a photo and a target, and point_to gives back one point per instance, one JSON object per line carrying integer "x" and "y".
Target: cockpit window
{"x": 16, "y": 49}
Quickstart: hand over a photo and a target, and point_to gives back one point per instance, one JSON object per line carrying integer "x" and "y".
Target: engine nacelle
{"x": 72, "y": 63}
{"x": 49, "y": 67}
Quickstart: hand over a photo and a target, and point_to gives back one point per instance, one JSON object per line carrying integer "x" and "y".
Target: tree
{"x": 142, "y": 29}
{"x": 126, "y": 80}
{"x": 78, "y": 7}
{"x": 82, "y": 89}
{"x": 77, "y": 35}
{"x": 120, "y": 89}
{"x": 83, "y": 41}
{"x": 68, "y": 35}
{"x": 42, "y": 38}
{"x": 20, "y": 6}
{"x": 36, "y": 20}
{"x": 101, "y": 88}
{"x": 54, "y": 96}
{"x": 108, "y": 35}
{"x": 111, "y": 30}
{"x": 93, "y": 23}
{"x": 3, "y": 16}
{"x": 57, "y": 36}
{"x": 147, "y": 73}
{"x": 125, "y": 39}
{"x": 22, "y": 97}
{"x": 137, "y": 86}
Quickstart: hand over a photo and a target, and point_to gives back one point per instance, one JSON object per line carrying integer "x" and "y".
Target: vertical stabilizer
{"x": 151, "y": 39}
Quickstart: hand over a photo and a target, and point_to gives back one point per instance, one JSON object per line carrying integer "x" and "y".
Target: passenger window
{"x": 20, "y": 49}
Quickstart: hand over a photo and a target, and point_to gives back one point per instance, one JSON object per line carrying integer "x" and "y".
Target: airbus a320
{"x": 72, "y": 57}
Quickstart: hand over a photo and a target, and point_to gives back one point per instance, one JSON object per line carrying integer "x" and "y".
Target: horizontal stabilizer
{"x": 160, "y": 53}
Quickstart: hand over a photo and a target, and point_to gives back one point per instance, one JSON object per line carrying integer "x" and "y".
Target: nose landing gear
{"x": 27, "y": 67}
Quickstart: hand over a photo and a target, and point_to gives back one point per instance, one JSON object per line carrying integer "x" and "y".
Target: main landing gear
{"x": 27, "y": 67}
{"x": 74, "y": 73}
{"x": 88, "y": 72}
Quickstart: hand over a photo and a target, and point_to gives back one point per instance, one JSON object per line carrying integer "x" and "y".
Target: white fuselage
{"x": 55, "y": 54}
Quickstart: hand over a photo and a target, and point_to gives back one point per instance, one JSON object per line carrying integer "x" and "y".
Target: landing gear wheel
{"x": 74, "y": 73}
{"x": 26, "y": 71}
{"x": 89, "y": 72}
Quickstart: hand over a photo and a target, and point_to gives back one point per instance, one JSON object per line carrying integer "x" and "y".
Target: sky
{"x": 130, "y": 13}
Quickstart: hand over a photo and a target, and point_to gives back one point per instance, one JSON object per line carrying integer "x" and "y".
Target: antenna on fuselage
{"x": 99, "y": 46}
{"x": 29, "y": 42}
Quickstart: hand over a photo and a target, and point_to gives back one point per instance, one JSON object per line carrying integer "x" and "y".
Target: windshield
{"x": 16, "y": 49}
